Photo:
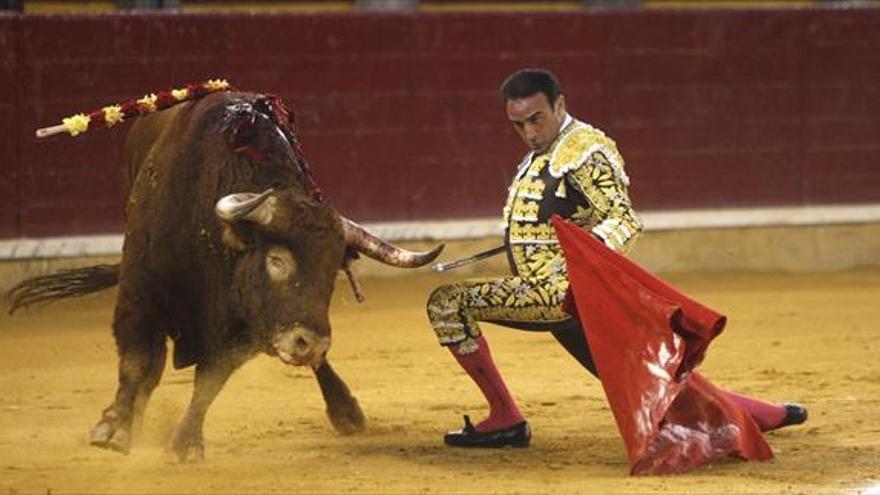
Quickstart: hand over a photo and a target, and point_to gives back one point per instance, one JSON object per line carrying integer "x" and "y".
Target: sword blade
{"x": 451, "y": 265}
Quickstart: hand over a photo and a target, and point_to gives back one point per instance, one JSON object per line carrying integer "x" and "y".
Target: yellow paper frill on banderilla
{"x": 112, "y": 115}
{"x": 76, "y": 124}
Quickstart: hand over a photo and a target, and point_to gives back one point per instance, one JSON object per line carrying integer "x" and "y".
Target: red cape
{"x": 646, "y": 339}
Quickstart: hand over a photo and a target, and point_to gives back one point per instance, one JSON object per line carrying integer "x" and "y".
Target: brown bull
{"x": 221, "y": 270}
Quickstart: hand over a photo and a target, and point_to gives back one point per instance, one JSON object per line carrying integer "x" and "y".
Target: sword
{"x": 451, "y": 265}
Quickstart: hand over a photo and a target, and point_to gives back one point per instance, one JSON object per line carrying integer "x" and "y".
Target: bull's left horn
{"x": 244, "y": 206}
{"x": 381, "y": 250}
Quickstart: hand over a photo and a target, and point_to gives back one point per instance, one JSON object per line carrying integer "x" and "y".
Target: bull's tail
{"x": 63, "y": 284}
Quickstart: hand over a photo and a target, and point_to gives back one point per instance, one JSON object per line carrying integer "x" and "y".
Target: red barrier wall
{"x": 399, "y": 116}
{"x": 9, "y": 142}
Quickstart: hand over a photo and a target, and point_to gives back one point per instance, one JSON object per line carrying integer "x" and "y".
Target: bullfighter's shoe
{"x": 518, "y": 435}
{"x": 795, "y": 414}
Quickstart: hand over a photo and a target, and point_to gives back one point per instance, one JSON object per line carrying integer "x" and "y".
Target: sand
{"x": 813, "y": 338}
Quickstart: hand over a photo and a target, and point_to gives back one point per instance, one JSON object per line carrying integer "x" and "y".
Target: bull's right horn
{"x": 245, "y": 206}
{"x": 381, "y": 250}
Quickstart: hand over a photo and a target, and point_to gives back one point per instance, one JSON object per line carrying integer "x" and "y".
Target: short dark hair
{"x": 527, "y": 82}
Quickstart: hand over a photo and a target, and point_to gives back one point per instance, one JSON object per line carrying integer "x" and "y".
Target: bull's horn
{"x": 244, "y": 206}
{"x": 381, "y": 250}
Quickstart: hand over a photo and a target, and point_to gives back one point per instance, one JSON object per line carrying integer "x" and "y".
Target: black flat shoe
{"x": 795, "y": 414}
{"x": 518, "y": 435}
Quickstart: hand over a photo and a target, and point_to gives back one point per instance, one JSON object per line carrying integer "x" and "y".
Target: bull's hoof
{"x": 188, "y": 447}
{"x": 347, "y": 418}
{"x": 189, "y": 453}
{"x": 107, "y": 436}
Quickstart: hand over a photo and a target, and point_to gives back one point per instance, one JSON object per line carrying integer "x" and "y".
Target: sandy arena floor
{"x": 812, "y": 338}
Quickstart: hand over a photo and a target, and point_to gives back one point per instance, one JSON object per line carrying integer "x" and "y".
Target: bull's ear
{"x": 233, "y": 239}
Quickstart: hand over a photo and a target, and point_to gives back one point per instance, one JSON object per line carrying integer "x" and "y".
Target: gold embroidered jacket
{"x": 580, "y": 178}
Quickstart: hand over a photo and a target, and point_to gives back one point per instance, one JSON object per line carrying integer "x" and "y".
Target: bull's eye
{"x": 280, "y": 264}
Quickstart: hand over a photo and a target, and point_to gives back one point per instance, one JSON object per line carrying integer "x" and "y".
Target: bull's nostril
{"x": 301, "y": 345}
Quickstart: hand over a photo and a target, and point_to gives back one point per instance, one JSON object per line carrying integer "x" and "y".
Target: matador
{"x": 572, "y": 170}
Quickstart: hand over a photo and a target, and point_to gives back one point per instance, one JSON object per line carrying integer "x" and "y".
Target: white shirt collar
{"x": 567, "y": 120}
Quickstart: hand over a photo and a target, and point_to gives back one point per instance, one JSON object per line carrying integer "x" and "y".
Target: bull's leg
{"x": 342, "y": 408}
{"x": 138, "y": 344}
{"x": 210, "y": 378}
{"x": 157, "y": 366}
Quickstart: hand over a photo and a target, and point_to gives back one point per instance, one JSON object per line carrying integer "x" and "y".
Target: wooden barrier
{"x": 400, "y": 118}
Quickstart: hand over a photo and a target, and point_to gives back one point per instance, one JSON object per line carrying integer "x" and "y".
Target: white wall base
{"x": 105, "y": 245}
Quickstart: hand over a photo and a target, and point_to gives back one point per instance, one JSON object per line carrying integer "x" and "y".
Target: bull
{"x": 229, "y": 251}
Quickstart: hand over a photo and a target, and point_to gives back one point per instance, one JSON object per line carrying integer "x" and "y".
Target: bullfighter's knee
{"x": 441, "y": 296}
{"x": 446, "y": 314}
{"x": 443, "y": 302}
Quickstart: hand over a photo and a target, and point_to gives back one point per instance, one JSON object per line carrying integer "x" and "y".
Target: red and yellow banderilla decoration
{"x": 114, "y": 114}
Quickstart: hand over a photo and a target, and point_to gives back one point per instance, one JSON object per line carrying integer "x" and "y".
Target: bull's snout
{"x": 300, "y": 346}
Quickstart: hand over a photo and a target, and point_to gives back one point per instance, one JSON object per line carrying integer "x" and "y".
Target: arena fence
{"x": 735, "y": 121}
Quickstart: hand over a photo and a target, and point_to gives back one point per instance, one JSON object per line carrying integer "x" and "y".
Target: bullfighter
{"x": 575, "y": 171}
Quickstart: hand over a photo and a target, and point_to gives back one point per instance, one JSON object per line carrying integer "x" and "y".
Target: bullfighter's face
{"x": 536, "y": 120}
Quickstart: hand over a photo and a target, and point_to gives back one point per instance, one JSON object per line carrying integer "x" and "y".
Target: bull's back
{"x": 180, "y": 164}
{"x": 142, "y": 137}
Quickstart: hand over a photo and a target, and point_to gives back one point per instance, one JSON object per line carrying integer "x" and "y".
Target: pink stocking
{"x": 503, "y": 412}
{"x": 767, "y": 416}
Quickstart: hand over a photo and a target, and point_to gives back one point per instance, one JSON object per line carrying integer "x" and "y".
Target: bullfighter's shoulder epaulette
{"x": 576, "y": 147}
